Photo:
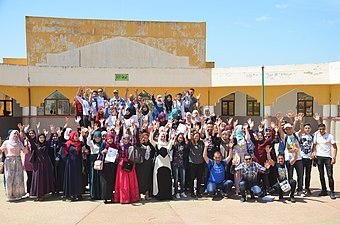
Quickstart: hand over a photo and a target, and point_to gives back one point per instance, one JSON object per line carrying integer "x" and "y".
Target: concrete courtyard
{"x": 308, "y": 210}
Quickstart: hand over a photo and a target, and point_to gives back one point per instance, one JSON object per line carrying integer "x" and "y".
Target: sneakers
{"x": 178, "y": 196}
{"x": 323, "y": 193}
{"x": 183, "y": 195}
{"x": 292, "y": 199}
{"x": 242, "y": 199}
{"x": 332, "y": 195}
{"x": 307, "y": 192}
{"x": 301, "y": 194}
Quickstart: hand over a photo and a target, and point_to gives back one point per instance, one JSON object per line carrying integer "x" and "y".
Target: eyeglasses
{"x": 247, "y": 159}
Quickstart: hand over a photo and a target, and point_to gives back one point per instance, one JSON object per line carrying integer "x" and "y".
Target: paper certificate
{"x": 181, "y": 128}
{"x": 111, "y": 155}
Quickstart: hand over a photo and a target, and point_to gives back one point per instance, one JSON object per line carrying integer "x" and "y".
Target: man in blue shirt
{"x": 217, "y": 176}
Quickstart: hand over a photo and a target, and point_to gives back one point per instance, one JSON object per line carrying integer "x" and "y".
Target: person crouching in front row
{"x": 217, "y": 172}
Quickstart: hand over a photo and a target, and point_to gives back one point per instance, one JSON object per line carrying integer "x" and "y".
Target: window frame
{"x": 253, "y": 101}
{"x": 57, "y": 100}
{"x": 304, "y": 111}
{"x": 228, "y": 102}
{"x": 5, "y": 107}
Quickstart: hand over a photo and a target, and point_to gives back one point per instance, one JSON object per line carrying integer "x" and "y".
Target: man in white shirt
{"x": 326, "y": 157}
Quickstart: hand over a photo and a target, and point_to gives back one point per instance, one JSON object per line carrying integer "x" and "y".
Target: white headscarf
{"x": 15, "y": 142}
{"x": 67, "y": 133}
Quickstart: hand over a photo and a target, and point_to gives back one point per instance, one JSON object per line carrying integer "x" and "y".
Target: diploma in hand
{"x": 111, "y": 155}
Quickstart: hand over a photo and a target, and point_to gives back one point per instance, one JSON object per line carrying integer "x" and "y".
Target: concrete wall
{"x": 55, "y": 35}
{"x": 118, "y": 52}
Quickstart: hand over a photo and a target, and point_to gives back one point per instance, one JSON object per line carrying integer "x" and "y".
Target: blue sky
{"x": 239, "y": 33}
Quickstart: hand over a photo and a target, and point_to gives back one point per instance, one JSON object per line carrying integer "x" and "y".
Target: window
{"x": 253, "y": 107}
{"x": 56, "y": 104}
{"x": 6, "y": 106}
{"x": 228, "y": 105}
{"x": 305, "y": 104}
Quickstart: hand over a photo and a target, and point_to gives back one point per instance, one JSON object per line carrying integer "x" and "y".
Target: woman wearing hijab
{"x": 100, "y": 116}
{"x": 73, "y": 179}
{"x": 144, "y": 169}
{"x": 94, "y": 143}
{"x": 14, "y": 174}
{"x": 158, "y": 105}
{"x": 58, "y": 165}
{"x": 126, "y": 189}
{"x": 162, "y": 183}
{"x": 239, "y": 149}
{"x": 42, "y": 176}
{"x": 108, "y": 174}
{"x": 144, "y": 118}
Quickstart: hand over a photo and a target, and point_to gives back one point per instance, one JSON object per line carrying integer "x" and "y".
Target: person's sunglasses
{"x": 247, "y": 159}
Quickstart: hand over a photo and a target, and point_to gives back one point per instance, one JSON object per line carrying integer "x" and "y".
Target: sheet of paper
{"x": 111, "y": 155}
{"x": 181, "y": 128}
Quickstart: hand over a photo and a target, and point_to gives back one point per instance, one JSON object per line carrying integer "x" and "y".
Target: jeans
{"x": 298, "y": 165}
{"x": 178, "y": 170}
{"x": 307, "y": 170}
{"x": 225, "y": 186}
{"x": 252, "y": 186}
{"x": 277, "y": 189}
{"x": 325, "y": 162}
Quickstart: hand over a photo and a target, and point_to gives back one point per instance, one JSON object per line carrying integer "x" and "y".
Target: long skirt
{"x": 126, "y": 189}
{"x": 73, "y": 178}
{"x": 144, "y": 175}
{"x": 164, "y": 184}
{"x": 42, "y": 175}
{"x": 94, "y": 179}
{"x": 14, "y": 176}
{"x": 108, "y": 180}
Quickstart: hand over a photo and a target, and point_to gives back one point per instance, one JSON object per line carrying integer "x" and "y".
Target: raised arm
{"x": 205, "y": 152}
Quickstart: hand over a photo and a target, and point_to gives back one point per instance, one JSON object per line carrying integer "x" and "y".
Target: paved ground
{"x": 308, "y": 210}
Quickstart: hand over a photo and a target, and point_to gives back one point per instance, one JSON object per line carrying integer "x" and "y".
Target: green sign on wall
{"x": 121, "y": 77}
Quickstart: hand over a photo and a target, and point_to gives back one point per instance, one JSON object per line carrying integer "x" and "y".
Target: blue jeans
{"x": 253, "y": 187}
{"x": 178, "y": 171}
{"x": 225, "y": 186}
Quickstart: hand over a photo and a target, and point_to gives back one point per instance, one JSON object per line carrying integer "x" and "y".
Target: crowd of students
{"x": 124, "y": 150}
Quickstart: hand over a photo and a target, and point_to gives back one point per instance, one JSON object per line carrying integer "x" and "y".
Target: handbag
{"x": 98, "y": 164}
{"x": 135, "y": 155}
{"x": 127, "y": 166}
{"x": 285, "y": 186}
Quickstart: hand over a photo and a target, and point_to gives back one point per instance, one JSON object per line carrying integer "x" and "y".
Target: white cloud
{"x": 328, "y": 22}
{"x": 244, "y": 25}
{"x": 281, "y": 6}
{"x": 263, "y": 18}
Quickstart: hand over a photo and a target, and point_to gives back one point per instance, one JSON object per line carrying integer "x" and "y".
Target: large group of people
{"x": 127, "y": 149}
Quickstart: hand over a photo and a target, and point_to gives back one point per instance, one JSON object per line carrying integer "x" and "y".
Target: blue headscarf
{"x": 238, "y": 133}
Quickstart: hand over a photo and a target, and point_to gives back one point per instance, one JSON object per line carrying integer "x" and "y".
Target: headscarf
{"x": 99, "y": 115}
{"x": 238, "y": 132}
{"x": 161, "y": 116}
{"x": 108, "y": 145}
{"x": 127, "y": 116}
{"x": 71, "y": 141}
{"x": 122, "y": 141}
{"x": 14, "y": 142}
{"x": 39, "y": 144}
{"x": 97, "y": 134}
{"x": 174, "y": 115}
{"x": 67, "y": 133}
{"x": 145, "y": 112}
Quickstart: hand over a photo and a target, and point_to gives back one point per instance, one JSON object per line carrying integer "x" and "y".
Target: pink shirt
{"x": 12, "y": 149}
